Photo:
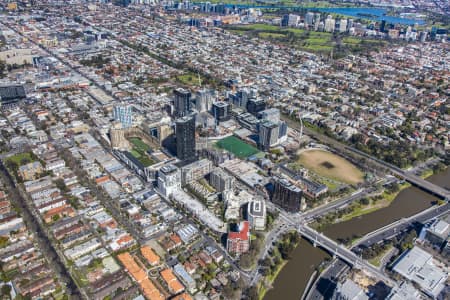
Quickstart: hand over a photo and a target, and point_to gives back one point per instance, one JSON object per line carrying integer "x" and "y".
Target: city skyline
{"x": 184, "y": 150}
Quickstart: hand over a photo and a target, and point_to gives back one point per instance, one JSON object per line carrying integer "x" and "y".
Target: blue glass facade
{"x": 124, "y": 115}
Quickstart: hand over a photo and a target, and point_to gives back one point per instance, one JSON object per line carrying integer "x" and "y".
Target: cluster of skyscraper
{"x": 266, "y": 122}
{"x": 313, "y": 21}
{"x": 125, "y": 3}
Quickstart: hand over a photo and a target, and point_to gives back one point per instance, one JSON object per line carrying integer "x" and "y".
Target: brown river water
{"x": 294, "y": 277}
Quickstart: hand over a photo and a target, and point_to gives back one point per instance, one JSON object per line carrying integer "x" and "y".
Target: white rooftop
{"x": 417, "y": 265}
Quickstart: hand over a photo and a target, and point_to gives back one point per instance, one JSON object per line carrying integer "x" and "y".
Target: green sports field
{"x": 237, "y": 147}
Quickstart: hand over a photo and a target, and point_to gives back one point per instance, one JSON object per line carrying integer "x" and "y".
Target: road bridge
{"x": 342, "y": 252}
{"x": 393, "y": 229}
{"x": 377, "y": 236}
{"x": 408, "y": 176}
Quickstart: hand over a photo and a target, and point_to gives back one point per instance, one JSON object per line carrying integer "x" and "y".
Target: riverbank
{"x": 438, "y": 168}
{"x": 374, "y": 204}
{"x": 262, "y": 290}
{"x": 360, "y": 208}
{"x": 293, "y": 278}
{"x": 367, "y": 205}
{"x": 427, "y": 173}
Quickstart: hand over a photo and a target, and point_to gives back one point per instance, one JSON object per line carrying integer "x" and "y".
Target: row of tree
{"x": 97, "y": 61}
{"x": 399, "y": 153}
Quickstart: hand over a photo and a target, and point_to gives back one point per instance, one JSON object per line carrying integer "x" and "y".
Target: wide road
{"x": 326, "y": 282}
{"x": 330, "y": 245}
{"x": 347, "y": 255}
{"x": 342, "y": 252}
{"x": 286, "y": 222}
{"x": 395, "y": 228}
{"x": 324, "y": 209}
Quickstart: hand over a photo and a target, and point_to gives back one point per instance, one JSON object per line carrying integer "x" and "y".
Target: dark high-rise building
{"x": 219, "y": 8}
{"x": 433, "y": 33}
{"x": 254, "y": 106}
{"x": 287, "y": 195}
{"x": 285, "y": 21}
{"x": 181, "y": 102}
{"x": 123, "y": 3}
{"x": 11, "y": 95}
{"x": 185, "y": 137}
{"x": 221, "y": 111}
{"x": 383, "y": 26}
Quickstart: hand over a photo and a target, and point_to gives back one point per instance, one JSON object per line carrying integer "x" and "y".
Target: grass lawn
{"x": 139, "y": 151}
{"x": 19, "y": 157}
{"x": 146, "y": 161}
{"x": 296, "y": 31}
{"x": 312, "y": 41}
{"x": 331, "y": 166}
{"x": 135, "y": 153}
{"x": 139, "y": 144}
{"x": 238, "y": 32}
{"x": 271, "y": 35}
{"x": 318, "y": 41}
{"x": 237, "y": 147}
{"x": 80, "y": 277}
{"x": 206, "y": 185}
{"x": 271, "y": 278}
{"x": 316, "y": 34}
{"x": 189, "y": 79}
{"x": 360, "y": 211}
{"x": 260, "y": 27}
{"x": 426, "y": 173}
{"x": 318, "y": 48}
{"x": 332, "y": 185}
{"x": 351, "y": 40}
{"x": 376, "y": 261}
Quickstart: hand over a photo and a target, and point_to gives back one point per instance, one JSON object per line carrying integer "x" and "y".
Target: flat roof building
{"x": 221, "y": 180}
{"x": 256, "y": 213}
{"x": 405, "y": 291}
{"x": 195, "y": 171}
{"x": 417, "y": 265}
{"x": 221, "y": 111}
{"x": 169, "y": 180}
{"x": 349, "y": 290}
{"x": 438, "y": 232}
